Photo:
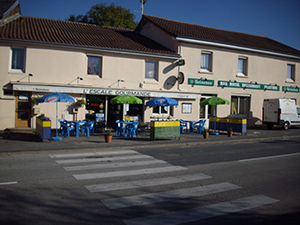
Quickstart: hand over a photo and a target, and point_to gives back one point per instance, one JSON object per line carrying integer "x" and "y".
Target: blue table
{"x": 191, "y": 127}
{"x": 77, "y": 125}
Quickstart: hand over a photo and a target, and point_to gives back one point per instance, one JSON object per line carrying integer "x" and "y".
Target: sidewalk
{"x": 28, "y": 142}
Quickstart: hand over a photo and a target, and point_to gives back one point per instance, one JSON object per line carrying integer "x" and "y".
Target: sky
{"x": 276, "y": 19}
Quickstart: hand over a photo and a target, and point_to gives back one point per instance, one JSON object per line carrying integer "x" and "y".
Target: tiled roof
{"x": 80, "y": 35}
{"x": 193, "y": 31}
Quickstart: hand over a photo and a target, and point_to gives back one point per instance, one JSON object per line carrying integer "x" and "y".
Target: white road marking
{"x": 128, "y": 172}
{"x": 146, "y": 182}
{"x": 8, "y": 183}
{"x": 268, "y": 157}
{"x": 138, "y": 200}
{"x": 85, "y": 154}
{"x": 114, "y": 165}
{"x": 190, "y": 215}
{"x": 86, "y": 160}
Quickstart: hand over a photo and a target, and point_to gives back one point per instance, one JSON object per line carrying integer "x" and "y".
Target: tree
{"x": 103, "y": 15}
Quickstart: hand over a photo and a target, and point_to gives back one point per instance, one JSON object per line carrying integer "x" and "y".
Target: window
{"x": 94, "y": 65}
{"x": 290, "y": 73}
{"x": 240, "y": 105}
{"x": 150, "y": 69}
{"x": 242, "y": 66}
{"x": 161, "y": 110}
{"x": 18, "y": 59}
{"x": 187, "y": 108}
{"x": 206, "y": 62}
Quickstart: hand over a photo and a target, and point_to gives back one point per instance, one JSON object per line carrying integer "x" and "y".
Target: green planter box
{"x": 164, "y": 129}
{"x": 43, "y": 129}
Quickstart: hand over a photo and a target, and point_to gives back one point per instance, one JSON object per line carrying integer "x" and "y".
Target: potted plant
{"x": 107, "y": 137}
{"x": 205, "y": 133}
{"x": 142, "y": 125}
{"x": 229, "y": 132}
{"x": 80, "y": 103}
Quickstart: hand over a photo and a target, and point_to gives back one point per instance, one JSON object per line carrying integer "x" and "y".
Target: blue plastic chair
{"x": 183, "y": 124}
{"x": 69, "y": 126}
{"x": 63, "y": 126}
{"x": 119, "y": 128}
{"x": 199, "y": 125}
{"x": 133, "y": 129}
{"x": 88, "y": 127}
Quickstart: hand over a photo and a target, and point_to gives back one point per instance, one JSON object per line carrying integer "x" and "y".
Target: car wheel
{"x": 285, "y": 126}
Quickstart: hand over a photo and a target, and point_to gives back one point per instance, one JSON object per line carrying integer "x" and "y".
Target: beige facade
{"x": 55, "y": 67}
{"x": 263, "y": 67}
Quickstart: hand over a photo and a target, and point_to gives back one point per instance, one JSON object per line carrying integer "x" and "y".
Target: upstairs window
{"x": 290, "y": 73}
{"x": 150, "y": 70}
{"x": 206, "y": 62}
{"x": 18, "y": 59}
{"x": 242, "y": 66}
{"x": 94, "y": 65}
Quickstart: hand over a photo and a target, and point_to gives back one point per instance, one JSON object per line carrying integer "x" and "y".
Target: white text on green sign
{"x": 256, "y": 86}
{"x": 195, "y": 81}
{"x": 290, "y": 89}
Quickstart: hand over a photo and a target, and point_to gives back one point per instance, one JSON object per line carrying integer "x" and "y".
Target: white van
{"x": 281, "y": 111}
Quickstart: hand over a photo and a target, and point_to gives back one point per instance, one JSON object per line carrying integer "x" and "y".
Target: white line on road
{"x": 103, "y": 159}
{"x": 268, "y": 157}
{"x": 114, "y": 165}
{"x": 119, "y": 152}
{"x": 146, "y": 182}
{"x": 190, "y": 215}
{"x": 138, "y": 200}
{"x": 127, "y": 172}
{"x": 8, "y": 183}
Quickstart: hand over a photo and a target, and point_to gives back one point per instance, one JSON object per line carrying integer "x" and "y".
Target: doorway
{"x": 23, "y": 109}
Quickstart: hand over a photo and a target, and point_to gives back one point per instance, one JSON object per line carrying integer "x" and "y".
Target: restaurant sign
{"x": 234, "y": 84}
{"x": 290, "y": 89}
{"x": 204, "y": 82}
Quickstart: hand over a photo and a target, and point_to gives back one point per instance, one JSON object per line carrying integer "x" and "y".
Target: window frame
{"x": 167, "y": 108}
{"x": 209, "y": 69}
{"x": 155, "y": 77}
{"x": 244, "y": 73}
{"x": 186, "y": 108}
{"x": 290, "y": 78}
{"x": 16, "y": 70}
{"x": 242, "y": 102}
{"x": 100, "y": 57}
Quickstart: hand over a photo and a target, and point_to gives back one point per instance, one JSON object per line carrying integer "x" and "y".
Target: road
{"x": 228, "y": 183}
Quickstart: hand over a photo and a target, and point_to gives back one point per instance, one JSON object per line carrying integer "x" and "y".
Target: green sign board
{"x": 195, "y": 81}
{"x": 256, "y": 86}
{"x": 290, "y": 89}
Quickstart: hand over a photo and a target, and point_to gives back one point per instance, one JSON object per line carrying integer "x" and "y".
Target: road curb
{"x": 207, "y": 142}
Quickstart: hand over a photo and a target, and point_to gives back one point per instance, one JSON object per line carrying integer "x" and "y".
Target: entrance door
{"x": 23, "y": 109}
{"x": 206, "y": 111}
{"x": 115, "y": 112}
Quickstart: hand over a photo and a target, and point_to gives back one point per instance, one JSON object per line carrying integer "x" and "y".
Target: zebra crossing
{"x": 135, "y": 171}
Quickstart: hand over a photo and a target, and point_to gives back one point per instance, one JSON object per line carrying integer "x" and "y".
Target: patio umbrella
{"x": 56, "y": 97}
{"x": 162, "y": 101}
{"x": 215, "y": 101}
{"x": 126, "y": 99}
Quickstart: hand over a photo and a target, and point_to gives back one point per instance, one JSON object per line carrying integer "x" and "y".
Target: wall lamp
{"x": 29, "y": 75}
{"x": 77, "y": 78}
{"x": 118, "y": 81}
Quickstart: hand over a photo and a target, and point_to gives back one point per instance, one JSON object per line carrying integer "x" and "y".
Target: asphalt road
{"x": 224, "y": 183}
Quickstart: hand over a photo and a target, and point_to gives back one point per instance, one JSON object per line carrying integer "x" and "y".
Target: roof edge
{"x": 236, "y": 47}
{"x": 111, "y": 50}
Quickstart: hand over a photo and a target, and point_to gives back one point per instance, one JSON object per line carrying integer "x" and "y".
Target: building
{"x": 160, "y": 58}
